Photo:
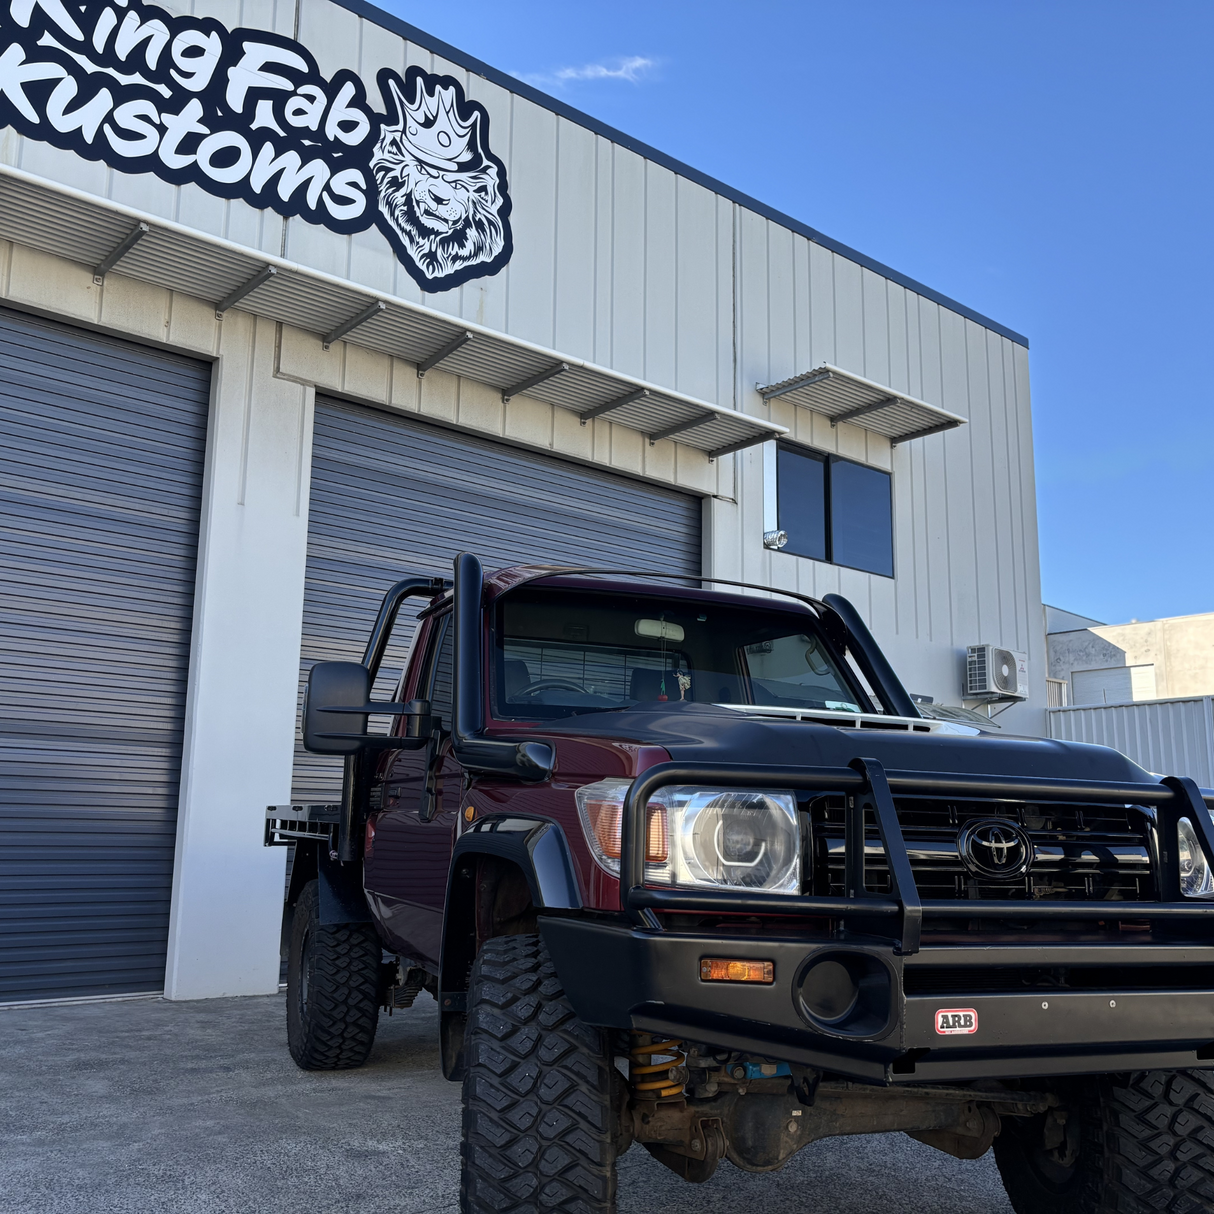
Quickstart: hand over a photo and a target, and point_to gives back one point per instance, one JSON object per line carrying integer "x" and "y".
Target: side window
{"x": 442, "y": 667}
{"x": 801, "y": 501}
{"x": 861, "y": 517}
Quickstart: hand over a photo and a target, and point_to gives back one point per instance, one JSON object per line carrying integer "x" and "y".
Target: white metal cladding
{"x": 71, "y": 225}
{"x": 101, "y": 457}
{"x": 842, "y": 396}
{"x": 392, "y": 497}
{"x": 1171, "y": 737}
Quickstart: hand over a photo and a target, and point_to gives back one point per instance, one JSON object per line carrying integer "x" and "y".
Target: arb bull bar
{"x": 1131, "y": 998}
{"x": 869, "y": 788}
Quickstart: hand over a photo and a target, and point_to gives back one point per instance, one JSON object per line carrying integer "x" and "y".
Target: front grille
{"x": 1080, "y": 852}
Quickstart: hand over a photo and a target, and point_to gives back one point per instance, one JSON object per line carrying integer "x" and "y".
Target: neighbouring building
{"x": 1122, "y": 663}
{"x": 294, "y": 300}
{"x": 1145, "y": 688}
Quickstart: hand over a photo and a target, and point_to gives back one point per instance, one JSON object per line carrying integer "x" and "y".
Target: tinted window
{"x": 795, "y": 671}
{"x": 861, "y": 519}
{"x": 801, "y": 501}
{"x": 561, "y": 652}
{"x": 442, "y": 669}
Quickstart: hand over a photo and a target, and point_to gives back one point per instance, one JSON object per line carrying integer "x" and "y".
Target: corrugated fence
{"x": 1172, "y": 737}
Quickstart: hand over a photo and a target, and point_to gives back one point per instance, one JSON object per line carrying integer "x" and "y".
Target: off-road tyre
{"x": 333, "y": 978}
{"x": 538, "y": 1130}
{"x": 1145, "y": 1146}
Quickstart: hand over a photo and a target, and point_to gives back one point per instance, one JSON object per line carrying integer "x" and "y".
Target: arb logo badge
{"x": 952, "y": 1020}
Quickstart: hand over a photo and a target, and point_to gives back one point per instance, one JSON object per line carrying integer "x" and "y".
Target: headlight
{"x": 1196, "y": 881}
{"x": 738, "y": 838}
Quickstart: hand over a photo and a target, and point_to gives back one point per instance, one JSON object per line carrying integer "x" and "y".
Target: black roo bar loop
{"x": 132, "y": 238}
{"x": 361, "y": 319}
{"x": 456, "y": 343}
{"x": 246, "y": 288}
{"x": 533, "y": 381}
{"x": 901, "y": 876}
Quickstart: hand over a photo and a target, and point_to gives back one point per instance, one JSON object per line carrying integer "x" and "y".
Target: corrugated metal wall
{"x": 1171, "y": 737}
{"x": 392, "y": 496}
{"x": 621, "y": 260}
{"x": 101, "y": 455}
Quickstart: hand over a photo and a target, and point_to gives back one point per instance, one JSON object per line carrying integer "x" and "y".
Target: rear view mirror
{"x": 340, "y": 685}
{"x": 335, "y": 710}
{"x": 659, "y": 629}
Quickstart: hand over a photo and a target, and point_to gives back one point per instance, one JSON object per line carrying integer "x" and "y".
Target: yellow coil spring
{"x": 653, "y": 1078}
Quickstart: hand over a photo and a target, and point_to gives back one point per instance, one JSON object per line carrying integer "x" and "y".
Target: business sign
{"x": 246, "y": 114}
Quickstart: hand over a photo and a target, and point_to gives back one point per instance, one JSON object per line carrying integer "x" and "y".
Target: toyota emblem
{"x": 995, "y": 848}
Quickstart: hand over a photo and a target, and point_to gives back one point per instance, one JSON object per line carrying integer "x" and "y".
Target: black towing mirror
{"x": 337, "y": 703}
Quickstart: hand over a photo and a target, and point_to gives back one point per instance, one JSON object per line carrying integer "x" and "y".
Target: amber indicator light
{"x": 723, "y": 969}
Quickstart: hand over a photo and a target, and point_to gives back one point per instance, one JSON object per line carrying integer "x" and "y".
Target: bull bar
{"x": 868, "y": 787}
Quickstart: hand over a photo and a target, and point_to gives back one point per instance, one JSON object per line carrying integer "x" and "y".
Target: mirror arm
{"x": 379, "y": 741}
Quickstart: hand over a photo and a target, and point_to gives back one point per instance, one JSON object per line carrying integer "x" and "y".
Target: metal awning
{"x": 107, "y": 237}
{"x": 844, "y": 397}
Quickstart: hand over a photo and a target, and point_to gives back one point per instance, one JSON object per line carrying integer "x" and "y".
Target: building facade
{"x": 295, "y": 300}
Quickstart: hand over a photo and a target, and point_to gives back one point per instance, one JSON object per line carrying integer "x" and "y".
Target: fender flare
{"x": 539, "y": 849}
{"x": 537, "y": 845}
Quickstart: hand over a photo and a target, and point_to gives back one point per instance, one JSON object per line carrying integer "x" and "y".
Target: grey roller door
{"x": 392, "y": 496}
{"x": 101, "y": 454}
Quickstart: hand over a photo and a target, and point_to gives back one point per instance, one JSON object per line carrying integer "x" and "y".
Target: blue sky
{"x": 1048, "y": 164}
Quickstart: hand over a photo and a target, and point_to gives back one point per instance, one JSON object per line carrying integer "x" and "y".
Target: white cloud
{"x": 632, "y": 68}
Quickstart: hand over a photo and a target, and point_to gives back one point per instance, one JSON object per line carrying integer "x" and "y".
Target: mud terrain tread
{"x": 537, "y": 1133}
{"x": 1148, "y": 1148}
{"x": 1159, "y": 1143}
{"x": 337, "y": 1029}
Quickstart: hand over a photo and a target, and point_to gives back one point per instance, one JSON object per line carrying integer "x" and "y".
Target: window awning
{"x": 105, "y": 236}
{"x": 844, "y": 397}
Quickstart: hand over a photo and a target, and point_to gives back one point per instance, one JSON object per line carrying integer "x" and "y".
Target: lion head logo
{"x": 442, "y": 193}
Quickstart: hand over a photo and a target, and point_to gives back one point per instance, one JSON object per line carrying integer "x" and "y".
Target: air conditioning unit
{"x": 992, "y": 673}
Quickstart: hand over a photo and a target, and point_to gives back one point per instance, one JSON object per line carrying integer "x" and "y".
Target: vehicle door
{"x": 410, "y": 836}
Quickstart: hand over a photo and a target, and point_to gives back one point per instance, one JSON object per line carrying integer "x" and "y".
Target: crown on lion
{"x": 431, "y": 128}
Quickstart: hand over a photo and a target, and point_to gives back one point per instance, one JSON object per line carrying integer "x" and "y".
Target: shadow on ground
{"x": 184, "y": 1108}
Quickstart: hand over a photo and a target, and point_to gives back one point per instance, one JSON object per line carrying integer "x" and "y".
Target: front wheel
{"x": 538, "y": 1112}
{"x": 332, "y": 988}
{"x": 1126, "y": 1144}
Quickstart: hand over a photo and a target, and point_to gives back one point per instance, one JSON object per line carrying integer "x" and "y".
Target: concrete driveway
{"x": 150, "y": 1107}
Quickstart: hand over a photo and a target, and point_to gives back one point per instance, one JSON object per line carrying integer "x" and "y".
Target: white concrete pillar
{"x": 244, "y": 669}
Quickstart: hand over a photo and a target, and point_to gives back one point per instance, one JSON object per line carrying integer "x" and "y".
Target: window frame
{"x": 829, "y": 460}
{"x": 440, "y": 629}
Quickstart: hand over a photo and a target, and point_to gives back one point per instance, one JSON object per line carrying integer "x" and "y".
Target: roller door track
{"x": 101, "y": 454}
{"x": 392, "y": 496}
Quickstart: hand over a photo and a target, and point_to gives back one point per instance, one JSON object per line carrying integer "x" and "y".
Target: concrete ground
{"x": 183, "y": 1108}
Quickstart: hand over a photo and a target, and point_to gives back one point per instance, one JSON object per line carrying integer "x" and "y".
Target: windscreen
{"x": 563, "y": 652}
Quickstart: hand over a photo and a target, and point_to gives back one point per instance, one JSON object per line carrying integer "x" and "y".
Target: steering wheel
{"x": 545, "y": 684}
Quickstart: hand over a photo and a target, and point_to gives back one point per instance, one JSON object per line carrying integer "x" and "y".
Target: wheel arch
{"x": 505, "y": 872}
